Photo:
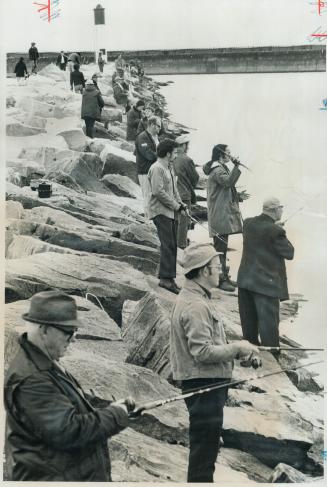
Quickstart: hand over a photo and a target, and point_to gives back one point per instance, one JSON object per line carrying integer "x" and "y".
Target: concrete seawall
{"x": 230, "y": 60}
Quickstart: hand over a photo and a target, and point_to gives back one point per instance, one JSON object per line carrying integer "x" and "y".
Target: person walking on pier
{"x": 77, "y": 80}
{"x": 164, "y": 206}
{"x": 73, "y": 58}
{"x": 146, "y": 154}
{"x": 101, "y": 61}
{"x": 262, "y": 280}
{"x": 62, "y": 60}
{"x": 54, "y": 430}
{"x": 21, "y": 70}
{"x": 187, "y": 179}
{"x": 224, "y": 216}
{"x": 33, "y": 54}
{"x": 92, "y": 104}
{"x": 200, "y": 357}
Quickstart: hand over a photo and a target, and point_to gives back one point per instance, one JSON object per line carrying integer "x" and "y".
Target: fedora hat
{"x": 53, "y": 308}
{"x": 198, "y": 255}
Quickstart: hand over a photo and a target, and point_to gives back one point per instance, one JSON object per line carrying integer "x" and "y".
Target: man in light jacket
{"x": 224, "y": 216}
{"x": 164, "y": 206}
{"x": 262, "y": 280}
{"x": 200, "y": 357}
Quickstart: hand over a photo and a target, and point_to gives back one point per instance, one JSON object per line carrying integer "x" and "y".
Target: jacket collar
{"x": 195, "y": 287}
{"x": 263, "y": 216}
{"x": 40, "y": 360}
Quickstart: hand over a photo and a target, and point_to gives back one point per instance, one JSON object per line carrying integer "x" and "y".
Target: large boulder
{"x": 32, "y": 121}
{"x": 111, "y": 115}
{"x": 75, "y": 139}
{"x": 111, "y": 281}
{"x": 141, "y": 233}
{"x": 17, "y": 129}
{"x": 122, "y": 186}
{"x": 46, "y": 110}
{"x": 117, "y": 161}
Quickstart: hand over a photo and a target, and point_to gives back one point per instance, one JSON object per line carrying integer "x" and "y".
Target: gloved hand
{"x": 182, "y": 207}
{"x": 127, "y": 404}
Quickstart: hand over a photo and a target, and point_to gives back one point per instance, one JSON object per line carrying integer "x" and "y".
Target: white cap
{"x": 182, "y": 139}
{"x": 271, "y": 203}
{"x": 89, "y": 82}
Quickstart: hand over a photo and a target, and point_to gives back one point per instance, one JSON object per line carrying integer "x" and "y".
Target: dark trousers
{"x": 89, "y": 126}
{"x": 62, "y": 67}
{"x": 206, "y": 421}
{"x": 167, "y": 233}
{"x": 183, "y": 223}
{"x": 259, "y": 316}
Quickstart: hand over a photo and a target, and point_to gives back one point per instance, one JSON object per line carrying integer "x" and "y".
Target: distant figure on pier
{"x": 146, "y": 154}
{"x": 73, "y": 58}
{"x": 101, "y": 62}
{"x": 77, "y": 80}
{"x": 224, "y": 216}
{"x": 187, "y": 179}
{"x": 164, "y": 206}
{"x": 62, "y": 60}
{"x": 133, "y": 119}
{"x": 92, "y": 104}
{"x": 146, "y": 115}
{"x": 121, "y": 89}
{"x": 21, "y": 70}
{"x": 262, "y": 280}
{"x": 119, "y": 62}
{"x": 33, "y": 54}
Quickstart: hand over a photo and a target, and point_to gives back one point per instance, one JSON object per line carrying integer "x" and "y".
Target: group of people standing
{"x": 55, "y": 430}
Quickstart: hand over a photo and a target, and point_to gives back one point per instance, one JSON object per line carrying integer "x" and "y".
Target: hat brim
{"x": 202, "y": 263}
{"x": 63, "y": 324}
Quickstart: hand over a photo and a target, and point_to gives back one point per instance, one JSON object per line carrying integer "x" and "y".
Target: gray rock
{"x": 117, "y": 161}
{"x": 14, "y": 209}
{"x": 18, "y": 129}
{"x": 111, "y": 115}
{"x": 76, "y": 139}
{"x": 122, "y": 186}
{"x": 141, "y": 233}
{"x": 111, "y": 281}
{"x": 43, "y": 155}
{"x": 285, "y": 474}
{"x": 10, "y": 101}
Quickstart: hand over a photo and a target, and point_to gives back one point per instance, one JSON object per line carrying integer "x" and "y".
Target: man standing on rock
{"x": 187, "y": 179}
{"x": 164, "y": 206}
{"x": 200, "y": 357}
{"x": 33, "y": 54}
{"x": 53, "y": 431}
{"x": 224, "y": 216}
{"x": 133, "y": 119}
{"x": 62, "y": 60}
{"x": 146, "y": 154}
{"x": 92, "y": 104}
{"x": 262, "y": 281}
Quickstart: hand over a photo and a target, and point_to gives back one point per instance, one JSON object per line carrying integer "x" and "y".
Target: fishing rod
{"x": 212, "y": 231}
{"x": 161, "y": 402}
{"x": 300, "y": 209}
{"x": 290, "y": 349}
{"x": 235, "y": 160}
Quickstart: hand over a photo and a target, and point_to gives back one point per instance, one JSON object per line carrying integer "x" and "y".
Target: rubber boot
{"x": 233, "y": 283}
{"x": 224, "y": 283}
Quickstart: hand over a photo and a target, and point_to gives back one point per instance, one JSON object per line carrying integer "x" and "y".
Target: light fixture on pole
{"x": 99, "y": 19}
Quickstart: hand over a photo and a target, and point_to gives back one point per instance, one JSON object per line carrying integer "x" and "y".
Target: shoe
{"x": 175, "y": 284}
{"x": 226, "y": 286}
{"x": 228, "y": 279}
{"x": 170, "y": 286}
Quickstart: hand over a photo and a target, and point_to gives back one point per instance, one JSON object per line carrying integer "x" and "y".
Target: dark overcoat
{"x": 20, "y": 69}
{"x": 265, "y": 248}
{"x": 145, "y": 151}
{"x": 187, "y": 177}
{"x": 92, "y": 103}
{"x": 53, "y": 431}
{"x": 133, "y": 120}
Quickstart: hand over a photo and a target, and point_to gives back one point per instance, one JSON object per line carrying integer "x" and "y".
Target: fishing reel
{"x": 252, "y": 361}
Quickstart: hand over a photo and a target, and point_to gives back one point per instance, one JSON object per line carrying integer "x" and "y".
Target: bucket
{"x": 44, "y": 190}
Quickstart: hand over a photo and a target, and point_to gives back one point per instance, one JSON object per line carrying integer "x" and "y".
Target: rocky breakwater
{"x": 90, "y": 239}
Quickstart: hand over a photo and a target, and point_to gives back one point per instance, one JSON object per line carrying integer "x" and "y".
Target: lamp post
{"x": 99, "y": 19}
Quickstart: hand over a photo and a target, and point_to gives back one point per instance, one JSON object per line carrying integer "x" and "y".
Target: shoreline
{"x": 91, "y": 237}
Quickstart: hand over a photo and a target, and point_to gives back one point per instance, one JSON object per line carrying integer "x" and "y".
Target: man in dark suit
{"x": 262, "y": 281}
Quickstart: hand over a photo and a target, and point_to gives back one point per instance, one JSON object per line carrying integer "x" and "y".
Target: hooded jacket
{"x": 53, "y": 431}
{"x": 224, "y": 216}
{"x": 20, "y": 69}
{"x": 92, "y": 103}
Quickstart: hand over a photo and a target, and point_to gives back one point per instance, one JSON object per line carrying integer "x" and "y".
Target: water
{"x": 273, "y": 122}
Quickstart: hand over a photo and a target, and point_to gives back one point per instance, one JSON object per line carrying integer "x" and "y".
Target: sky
{"x": 160, "y": 24}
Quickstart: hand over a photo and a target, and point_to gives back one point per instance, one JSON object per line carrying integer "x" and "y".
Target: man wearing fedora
{"x": 53, "y": 431}
{"x": 262, "y": 280}
{"x": 187, "y": 179}
{"x": 200, "y": 357}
